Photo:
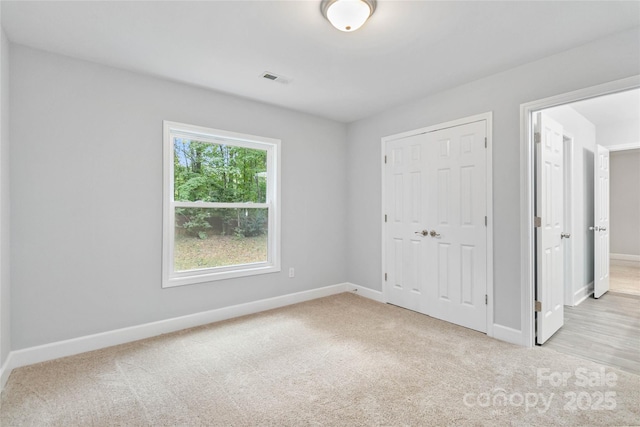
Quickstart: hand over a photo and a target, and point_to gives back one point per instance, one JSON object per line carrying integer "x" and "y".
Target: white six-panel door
{"x": 436, "y": 237}
{"x": 406, "y": 249}
{"x": 549, "y": 245}
{"x": 601, "y": 218}
{"x": 457, "y": 215}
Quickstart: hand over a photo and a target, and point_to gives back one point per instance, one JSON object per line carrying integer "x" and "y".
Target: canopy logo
{"x": 597, "y": 399}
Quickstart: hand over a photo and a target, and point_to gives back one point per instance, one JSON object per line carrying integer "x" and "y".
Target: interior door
{"x": 601, "y": 217}
{"x": 436, "y": 243}
{"x": 457, "y": 244}
{"x": 405, "y": 241}
{"x": 549, "y": 210}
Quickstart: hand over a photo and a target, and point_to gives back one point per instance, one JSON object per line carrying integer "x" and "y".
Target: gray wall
{"x": 5, "y": 275}
{"x": 501, "y": 93}
{"x": 87, "y": 197}
{"x": 583, "y": 133}
{"x": 625, "y": 202}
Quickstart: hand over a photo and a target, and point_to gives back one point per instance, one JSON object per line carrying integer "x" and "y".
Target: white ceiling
{"x": 618, "y": 108}
{"x": 409, "y": 49}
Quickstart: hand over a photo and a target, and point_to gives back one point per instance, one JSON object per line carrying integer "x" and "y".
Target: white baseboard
{"x": 582, "y": 294}
{"x": 5, "y": 370}
{"x": 625, "y": 257}
{"x": 365, "y": 292}
{"x": 499, "y": 332}
{"x": 505, "y": 333}
{"x": 42, "y": 353}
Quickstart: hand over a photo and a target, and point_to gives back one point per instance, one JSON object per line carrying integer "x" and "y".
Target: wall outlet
{"x": 292, "y": 272}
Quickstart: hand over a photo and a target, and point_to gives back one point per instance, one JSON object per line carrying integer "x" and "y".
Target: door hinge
{"x": 385, "y": 160}
{"x": 485, "y": 142}
{"x": 538, "y": 306}
{"x": 536, "y": 138}
{"x": 485, "y": 221}
{"x": 385, "y": 277}
{"x": 385, "y": 217}
{"x": 486, "y": 299}
{"x": 537, "y": 221}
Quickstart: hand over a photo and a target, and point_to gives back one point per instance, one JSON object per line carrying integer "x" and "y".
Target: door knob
{"x": 565, "y": 235}
{"x": 594, "y": 228}
{"x": 434, "y": 234}
{"x": 424, "y": 233}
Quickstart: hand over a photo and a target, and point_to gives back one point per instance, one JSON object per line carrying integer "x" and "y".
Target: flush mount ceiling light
{"x": 347, "y": 15}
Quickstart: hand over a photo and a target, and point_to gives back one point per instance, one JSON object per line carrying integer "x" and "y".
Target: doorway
{"x": 582, "y": 288}
{"x": 437, "y": 252}
{"x": 605, "y": 329}
{"x": 625, "y": 219}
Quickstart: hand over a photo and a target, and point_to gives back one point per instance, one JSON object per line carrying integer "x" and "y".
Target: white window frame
{"x": 170, "y": 277}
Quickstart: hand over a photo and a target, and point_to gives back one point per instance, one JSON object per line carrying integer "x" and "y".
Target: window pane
{"x": 218, "y": 173}
{"x": 206, "y": 238}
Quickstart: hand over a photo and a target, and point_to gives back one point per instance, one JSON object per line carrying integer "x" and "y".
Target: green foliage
{"x": 194, "y": 221}
{"x": 252, "y": 223}
{"x": 219, "y": 173}
{"x": 194, "y": 187}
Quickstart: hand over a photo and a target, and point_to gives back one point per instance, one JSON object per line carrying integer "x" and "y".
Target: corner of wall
{"x": 510, "y": 335}
{"x": 5, "y": 286}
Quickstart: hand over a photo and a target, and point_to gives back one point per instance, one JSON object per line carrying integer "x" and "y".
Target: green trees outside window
{"x": 221, "y": 204}
{"x": 205, "y": 172}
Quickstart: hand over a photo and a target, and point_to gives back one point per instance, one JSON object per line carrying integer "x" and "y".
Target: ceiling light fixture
{"x": 347, "y": 15}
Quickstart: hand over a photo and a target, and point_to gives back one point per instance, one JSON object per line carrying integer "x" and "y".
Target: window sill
{"x": 195, "y": 277}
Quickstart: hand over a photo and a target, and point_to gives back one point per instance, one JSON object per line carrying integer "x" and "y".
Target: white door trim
{"x": 568, "y": 219}
{"x": 623, "y": 147}
{"x": 488, "y": 117}
{"x": 527, "y": 262}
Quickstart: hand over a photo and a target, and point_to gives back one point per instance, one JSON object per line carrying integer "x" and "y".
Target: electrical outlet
{"x": 292, "y": 272}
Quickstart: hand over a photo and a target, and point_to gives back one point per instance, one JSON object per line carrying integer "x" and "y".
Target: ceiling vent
{"x": 275, "y": 77}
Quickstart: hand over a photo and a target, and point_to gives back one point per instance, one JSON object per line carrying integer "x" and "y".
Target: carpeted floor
{"x": 336, "y": 361}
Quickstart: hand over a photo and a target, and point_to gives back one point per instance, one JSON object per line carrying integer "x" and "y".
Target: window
{"x": 221, "y": 205}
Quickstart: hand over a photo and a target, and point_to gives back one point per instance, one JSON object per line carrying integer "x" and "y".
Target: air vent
{"x": 275, "y": 77}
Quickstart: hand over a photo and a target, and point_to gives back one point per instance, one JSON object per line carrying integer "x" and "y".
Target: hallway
{"x": 604, "y": 330}
{"x": 625, "y": 277}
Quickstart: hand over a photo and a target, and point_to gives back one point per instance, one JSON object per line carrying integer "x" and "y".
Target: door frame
{"x": 527, "y": 193}
{"x": 567, "y": 146}
{"x": 616, "y": 148}
{"x": 488, "y": 117}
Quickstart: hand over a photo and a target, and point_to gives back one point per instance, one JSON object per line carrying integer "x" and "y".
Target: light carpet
{"x": 336, "y": 361}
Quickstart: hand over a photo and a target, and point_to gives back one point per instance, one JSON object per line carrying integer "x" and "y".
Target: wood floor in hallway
{"x": 624, "y": 277}
{"x": 604, "y": 330}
